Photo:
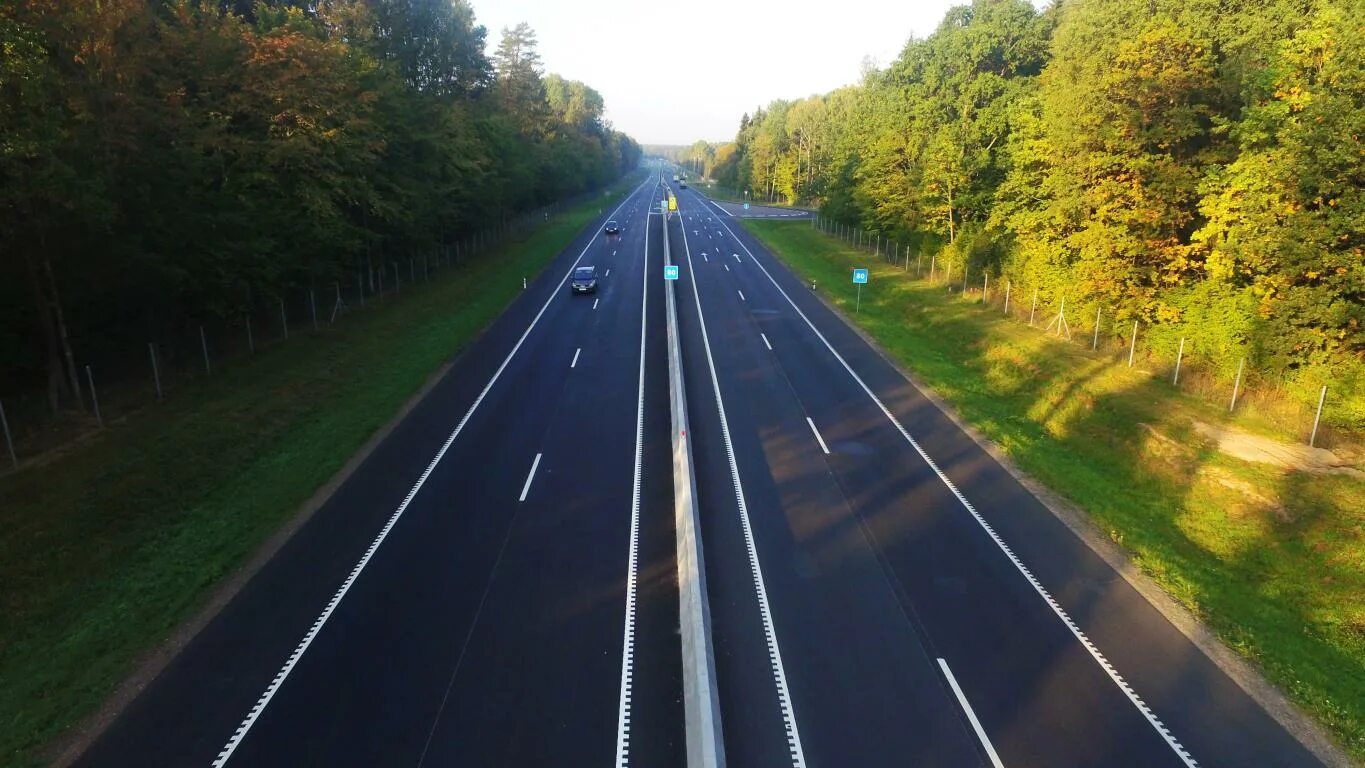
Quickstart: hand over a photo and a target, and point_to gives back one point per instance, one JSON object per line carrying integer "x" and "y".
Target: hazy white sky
{"x": 675, "y": 72}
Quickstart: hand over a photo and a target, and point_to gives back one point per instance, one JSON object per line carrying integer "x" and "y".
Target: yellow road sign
{"x": 672, "y": 203}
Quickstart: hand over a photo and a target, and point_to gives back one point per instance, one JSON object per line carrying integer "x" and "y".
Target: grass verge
{"x": 1272, "y": 560}
{"x": 109, "y": 547}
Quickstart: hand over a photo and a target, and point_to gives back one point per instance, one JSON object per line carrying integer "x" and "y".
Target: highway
{"x": 496, "y": 584}
{"x": 462, "y": 598}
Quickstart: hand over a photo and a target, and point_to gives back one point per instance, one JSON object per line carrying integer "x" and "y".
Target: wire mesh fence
{"x": 133, "y": 368}
{"x": 1104, "y": 332}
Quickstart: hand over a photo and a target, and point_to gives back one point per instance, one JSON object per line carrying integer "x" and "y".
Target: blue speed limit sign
{"x": 860, "y": 276}
{"x": 670, "y": 272}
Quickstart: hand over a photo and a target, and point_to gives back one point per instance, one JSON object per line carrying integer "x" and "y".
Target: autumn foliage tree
{"x": 172, "y": 162}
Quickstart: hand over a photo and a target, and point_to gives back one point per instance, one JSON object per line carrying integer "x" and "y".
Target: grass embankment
{"x": 1272, "y": 560}
{"x": 725, "y": 194}
{"x": 109, "y": 547}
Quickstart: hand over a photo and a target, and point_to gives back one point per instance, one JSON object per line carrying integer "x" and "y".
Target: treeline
{"x": 164, "y": 162}
{"x": 1192, "y": 164}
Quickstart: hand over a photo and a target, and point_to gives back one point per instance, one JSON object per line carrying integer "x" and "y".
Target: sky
{"x": 675, "y": 72}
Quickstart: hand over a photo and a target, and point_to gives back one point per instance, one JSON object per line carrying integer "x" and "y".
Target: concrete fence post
{"x": 360, "y": 283}
{"x": 1322, "y": 397}
{"x": 313, "y": 307}
{"x": 1132, "y": 345}
{"x": 1095, "y": 341}
{"x": 933, "y": 261}
{"x": 1008, "y": 285}
{"x": 9, "y": 441}
{"x": 397, "y": 280}
{"x": 284, "y": 319}
{"x": 1034, "y": 309}
{"x": 204, "y": 345}
{"x": 250, "y": 340}
{"x": 94, "y": 396}
{"x": 985, "y": 286}
{"x": 156, "y": 371}
{"x": 1179, "y": 356}
{"x": 1236, "y": 384}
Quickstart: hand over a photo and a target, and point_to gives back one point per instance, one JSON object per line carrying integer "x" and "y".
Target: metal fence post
{"x": 156, "y": 373}
{"x": 1321, "y": 399}
{"x": 1132, "y": 345}
{"x": 1236, "y": 384}
{"x": 9, "y": 442}
{"x": 1179, "y": 356}
{"x": 94, "y": 396}
{"x": 204, "y": 345}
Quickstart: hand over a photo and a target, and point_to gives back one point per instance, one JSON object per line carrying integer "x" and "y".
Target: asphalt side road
{"x": 494, "y": 585}
{"x": 883, "y": 593}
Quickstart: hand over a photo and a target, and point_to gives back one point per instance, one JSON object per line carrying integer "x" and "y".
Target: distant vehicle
{"x": 682, "y": 184}
{"x": 675, "y": 177}
{"x": 612, "y": 228}
{"x": 584, "y": 280}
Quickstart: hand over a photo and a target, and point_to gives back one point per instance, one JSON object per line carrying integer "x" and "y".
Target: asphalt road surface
{"x": 496, "y": 584}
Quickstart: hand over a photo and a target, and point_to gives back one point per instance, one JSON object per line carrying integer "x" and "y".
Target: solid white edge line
{"x": 816, "y": 432}
{"x": 971, "y": 715}
{"x": 238, "y": 735}
{"x": 1038, "y": 587}
{"x": 766, "y": 343}
{"x": 633, "y": 555}
{"x": 741, "y": 294}
{"x": 574, "y": 363}
{"x": 594, "y": 303}
{"x": 765, "y": 612}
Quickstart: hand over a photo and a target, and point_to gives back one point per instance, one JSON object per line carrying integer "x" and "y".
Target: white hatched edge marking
{"x": 766, "y": 343}
{"x": 1056, "y": 607}
{"x": 741, "y": 295}
{"x": 633, "y": 556}
{"x": 765, "y": 613}
{"x": 238, "y": 735}
{"x": 971, "y": 714}
{"x": 574, "y": 363}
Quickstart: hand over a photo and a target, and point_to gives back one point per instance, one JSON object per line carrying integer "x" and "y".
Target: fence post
{"x": 907, "y": 259}
{"x": 156, "y": 373}
{"x": 284, "y": 319}
{"x": 1008, "y": 284}
{"x": 204, "y": 345}
{"x": 1132, "y": 345}
{"x": 933, "y": 261}
{"x": 412, "y": 270}
{"x": 919, "y": 264}
{"x": 1179, "y": 356}
{"x": 1095, "y": 342}
{"x": 94, "y": 396}
{"x": 966, "y": 269}
{"x": 1321, "y": 399}
{"x": 250, "y": 340}
{"x": 985, "y": 284}
{"x": 1034, "y": 309}
{"x": 313, "y": 307}
{"x": 9, "y": 442}
{"x": 1236, "y": 384}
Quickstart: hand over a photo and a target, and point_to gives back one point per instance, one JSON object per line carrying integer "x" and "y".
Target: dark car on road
{"x": 612, "y": 228}
{"x": 584, "y": 280}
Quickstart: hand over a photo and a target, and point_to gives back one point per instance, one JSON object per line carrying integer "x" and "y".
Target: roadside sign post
{"x": 859, "y": 278}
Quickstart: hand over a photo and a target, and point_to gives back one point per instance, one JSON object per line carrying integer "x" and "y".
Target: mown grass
{"x": 726, "y": 194}
{"x": 109, "y": 547}
{"x": 1272, "y": 560}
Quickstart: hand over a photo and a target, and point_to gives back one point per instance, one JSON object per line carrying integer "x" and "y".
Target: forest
{"x": 1195, "y": 165}
{"x": 170, "y": 162}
